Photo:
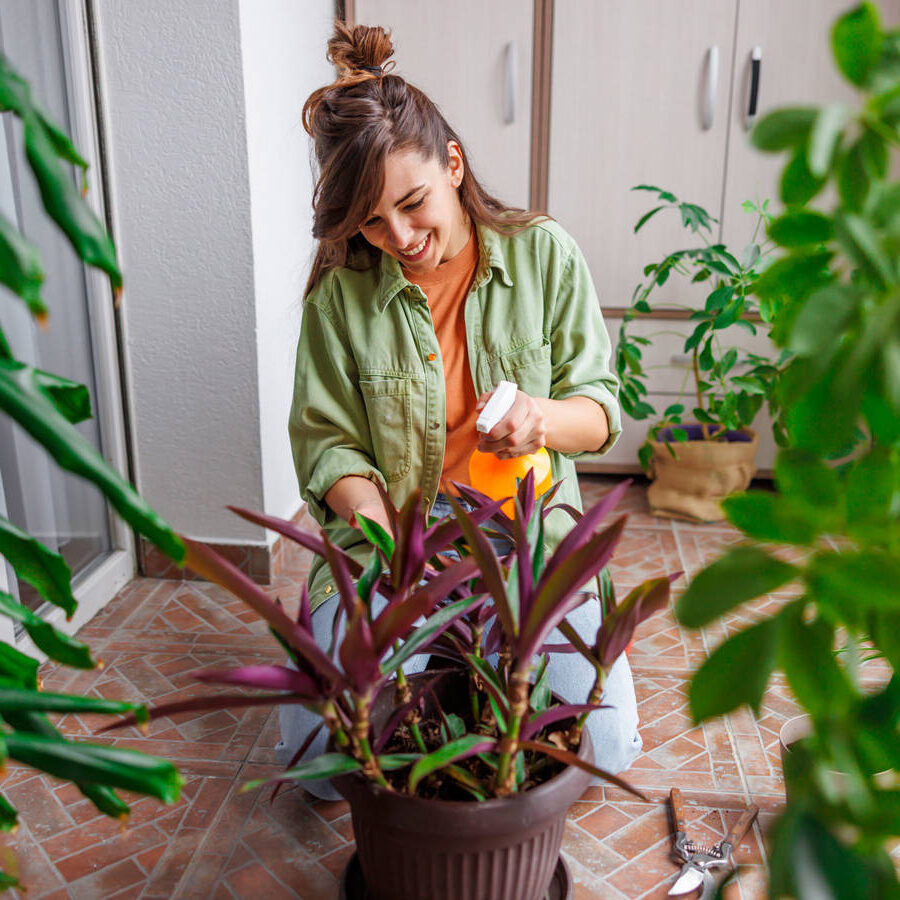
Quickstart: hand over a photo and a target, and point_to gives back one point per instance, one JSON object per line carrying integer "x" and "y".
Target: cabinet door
{"x": 474, "y": 60}
{"x": 629, "y": 85}
{"x": 797, "y": 69}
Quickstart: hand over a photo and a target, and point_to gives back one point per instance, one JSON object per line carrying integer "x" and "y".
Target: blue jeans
{"x": 614, "y": 731}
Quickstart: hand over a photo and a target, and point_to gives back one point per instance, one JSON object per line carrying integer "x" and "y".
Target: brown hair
{"x": 355, "y": 123}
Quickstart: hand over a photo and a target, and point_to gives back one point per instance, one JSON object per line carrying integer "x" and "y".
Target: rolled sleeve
{"x": 328, "y": 428}
{"x": 581, "y": 348}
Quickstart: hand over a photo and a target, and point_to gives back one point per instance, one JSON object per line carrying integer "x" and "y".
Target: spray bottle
{"x": 497, "y": 477}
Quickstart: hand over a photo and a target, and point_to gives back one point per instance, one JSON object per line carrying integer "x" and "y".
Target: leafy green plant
{"x": 48, "y": 407}
{"x": 834, "y": 298}
{"x": 728, "y": 388}
{"x": 507, "y": 731}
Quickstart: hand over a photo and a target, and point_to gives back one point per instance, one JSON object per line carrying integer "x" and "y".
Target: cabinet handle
{"x": 712, "y": 85}
{"x": 509, "y": 100}
{"x": 755, "y": 66}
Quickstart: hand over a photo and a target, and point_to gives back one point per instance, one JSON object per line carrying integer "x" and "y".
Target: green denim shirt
{"x": 369, "y": 386}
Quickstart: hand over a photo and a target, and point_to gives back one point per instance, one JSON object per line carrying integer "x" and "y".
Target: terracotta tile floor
{"x": 220, "y": 843}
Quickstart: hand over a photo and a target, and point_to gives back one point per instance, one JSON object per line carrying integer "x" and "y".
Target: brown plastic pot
{"x": 692, "y": 484}
{"x": 501, "y": 849}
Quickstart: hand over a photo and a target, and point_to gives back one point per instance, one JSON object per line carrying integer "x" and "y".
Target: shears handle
{"x": 677, "y": 810}
{"x": 739, "y": 829}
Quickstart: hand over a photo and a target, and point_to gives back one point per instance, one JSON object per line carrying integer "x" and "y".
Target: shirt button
{"x": 426, "y": 501}
{"x": 435, "y": 426}
{"x": 431, "y": 357}
{"x": 328, "y": 589}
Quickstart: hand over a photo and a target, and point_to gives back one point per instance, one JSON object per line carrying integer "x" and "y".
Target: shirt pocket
{"x": 389, "y": 411}
{"x": 530, "y": 368}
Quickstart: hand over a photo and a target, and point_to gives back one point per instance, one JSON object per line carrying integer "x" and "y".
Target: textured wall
{"x": 283, "y": 47}
{"x": 211, "y": 188}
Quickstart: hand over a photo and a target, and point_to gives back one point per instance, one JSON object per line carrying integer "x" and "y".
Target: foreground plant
{"x": 834, "y": 298}
{"x": 493, "y": 615}
{"x": 48, "y": 407}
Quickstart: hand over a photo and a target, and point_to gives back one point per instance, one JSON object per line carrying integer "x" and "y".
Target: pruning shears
{"x": 699, "y": 860}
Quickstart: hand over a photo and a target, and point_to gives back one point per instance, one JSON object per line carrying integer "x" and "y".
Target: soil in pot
{"x": 692, "y": 484}
{"x": 499, "y": 849}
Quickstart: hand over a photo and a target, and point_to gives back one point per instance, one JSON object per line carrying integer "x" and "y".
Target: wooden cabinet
{"x": 475, "y": 61}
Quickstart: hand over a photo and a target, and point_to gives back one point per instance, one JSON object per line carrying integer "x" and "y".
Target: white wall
{"x": 283, "y": 45}
{"x": 211, "y": 192}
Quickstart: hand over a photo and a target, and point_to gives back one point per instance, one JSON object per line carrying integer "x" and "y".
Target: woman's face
{"x": 419, "y": 219}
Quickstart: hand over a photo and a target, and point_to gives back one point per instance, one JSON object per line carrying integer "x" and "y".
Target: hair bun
{"x": 360, "y": 48}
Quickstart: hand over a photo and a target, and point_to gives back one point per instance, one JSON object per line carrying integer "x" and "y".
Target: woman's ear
{"x": 455, "y": 165}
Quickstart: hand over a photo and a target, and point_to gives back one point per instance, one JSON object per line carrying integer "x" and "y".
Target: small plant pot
{"x": 692, "y": 484}
{"x": 505, "y": 848}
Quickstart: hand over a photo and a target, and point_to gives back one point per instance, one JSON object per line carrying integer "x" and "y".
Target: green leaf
{"x": 749, "y": 384}
{"x": 794, "y": 276}
{"x": 23, "y": 396}
{"x": 856, "y": 42}
{"x": 376, "y": 535}
{"x": 98, "y": 763}
{"x": 853, "y": 179}
{"x": 18, "y": 667}
{"x": 52, "y": 641}
{"x": 800, "y": 227}
{"x": 783, "y": 128}
{"x": 696, "y": 337}
{"x": 801, "y": 475}
{"x": 20, "y": 268}
{"x": 71, "y": 399}
{"x": 35, "y": 564}
{"x": 742, "y": 574}
{"x": 863, "y": 245}
{"x": 822, "y": 319}
{"x": 17, "y": 700}
{"x": 646, "y": 218}
{"x": 798, "y": 185}
{"x": 676, "y": 409}
{"x": 451, "y": 752}
{"x": 806, "y": 653}
{"x": 736, "y": 672}
{"x": 870, "y": 492}
{"x": 770, "y": 517}
{"x": 393, "y": 761}
{"x": 8, "y": 815}
{"x": 824, "y": 136}
{"x": 719, "y": 298}
{"x": 328, "y": 765}
{"x": 645, "y": 454}
{"x": 865, "y": 579}
{"x": 540, "y": 693}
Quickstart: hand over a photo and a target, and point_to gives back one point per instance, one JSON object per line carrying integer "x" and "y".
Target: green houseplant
{"x": 48, "y": 406}
{"x": 834, "y": 295}
{"x": 701, "y": 447}
{"x": 407, "y": 751}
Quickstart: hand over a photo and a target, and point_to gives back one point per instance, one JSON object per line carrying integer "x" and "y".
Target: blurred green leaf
{"x": 783, "y": 128}
{"x": 797, "y": 228}
{"x": 736, "y": 672}
{"x": 871, "y": 491}
{"x": 8, "y": 815}
{"x": 45, "y": 571}
{"x": 795, "y": 276}
{"x": 853, "y": 179}
{"x": 866, "y": 579}
{"x": 822, "y": 319}
{"x": 743, "y": 573}
{"x": 20, "y": 268}
{"x": 862, "y": 244}
{"x": 98, "y": 763}
{"x": 18, "y": 700}
{"x": 56, "y": 644}
{"x": 801, "y": 475}
{"x": 798, "y": 185}
{"x": 646, "y": 218}
{"x": 328, "y": 765}
{"x": 770, "y": 517}
{"x": 823, "y": 138}
{"x": 18, "y": 667}
{"x": 856, "y": 42}
{"x": 24, "y": 397}
{"x": 806, "y": 653}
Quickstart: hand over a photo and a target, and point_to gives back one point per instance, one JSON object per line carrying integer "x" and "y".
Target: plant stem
{"x": 362, "y": 751}
{"x": 333, "y": 724}
{"x": 595, "y": 696}
{"x": 509, "y": 745}
{"x": 404, "y": 696}
{"x": 704, "y": 430}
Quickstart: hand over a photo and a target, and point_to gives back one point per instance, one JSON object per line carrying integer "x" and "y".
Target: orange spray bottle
{"x": 497, "y": 477}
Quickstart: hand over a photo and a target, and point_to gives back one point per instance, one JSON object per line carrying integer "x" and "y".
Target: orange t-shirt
{"x": 446, "y": 288}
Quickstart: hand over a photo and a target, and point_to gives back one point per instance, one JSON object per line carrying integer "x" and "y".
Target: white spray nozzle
{"x": 499, "y": 404}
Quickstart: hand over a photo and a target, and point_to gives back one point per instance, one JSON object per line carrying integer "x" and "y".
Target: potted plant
{"x": 48, "y": 407}
{"x": 459, "y": 778}
{"x": 835, "y": 298}
{"x": 702, "y": 449}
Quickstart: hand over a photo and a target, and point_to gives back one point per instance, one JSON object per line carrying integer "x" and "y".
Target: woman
{"x": 425, "y": 293}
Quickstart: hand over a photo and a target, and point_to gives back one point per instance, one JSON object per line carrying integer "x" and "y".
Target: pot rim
{"x": 751, "y": 432}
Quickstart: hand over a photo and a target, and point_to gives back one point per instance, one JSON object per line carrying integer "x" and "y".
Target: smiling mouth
{"x": 418, "y": 251}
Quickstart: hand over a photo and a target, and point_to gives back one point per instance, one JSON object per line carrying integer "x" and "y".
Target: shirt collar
{"x": 490, "y": 256}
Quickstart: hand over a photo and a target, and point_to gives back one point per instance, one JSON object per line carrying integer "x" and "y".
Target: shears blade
{"x": 689, "y": 880}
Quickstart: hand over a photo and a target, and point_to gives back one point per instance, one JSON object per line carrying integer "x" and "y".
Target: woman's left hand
{"x": 521, "y": 431}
